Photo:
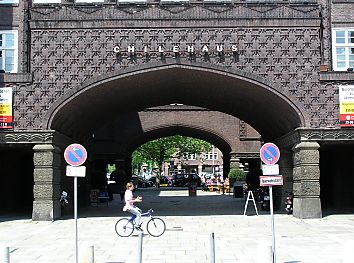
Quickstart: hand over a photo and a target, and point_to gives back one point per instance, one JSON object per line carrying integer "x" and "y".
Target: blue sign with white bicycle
{"x": 269, "y": 153}
{"x": 75, "y": 154}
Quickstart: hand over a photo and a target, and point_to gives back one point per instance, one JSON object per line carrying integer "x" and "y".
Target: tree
{"x": 238, "y": 174}
{"x": 161, "y": 150}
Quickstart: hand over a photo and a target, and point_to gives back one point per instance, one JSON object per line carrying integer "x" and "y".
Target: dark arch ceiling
{"x": 268, "y": 111}
{"x": 160, "y": 132}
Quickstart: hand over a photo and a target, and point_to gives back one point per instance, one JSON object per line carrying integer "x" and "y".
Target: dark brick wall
{"x": 342, "y": 14}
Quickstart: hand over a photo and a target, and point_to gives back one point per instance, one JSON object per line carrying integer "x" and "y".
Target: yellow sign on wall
{"x": 6, "y": 119}
{"x": 346, "y": 106}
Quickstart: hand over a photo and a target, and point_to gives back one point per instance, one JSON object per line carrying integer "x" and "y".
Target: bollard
{"x": 5, "y": 255}
{"x": 139, "y": 258}
{"x": 87, "y": 254}
{"x": 212, "y": 248}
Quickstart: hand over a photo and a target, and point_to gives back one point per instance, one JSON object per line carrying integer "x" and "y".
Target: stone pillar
{"x": 307, "y": 203}
{"x": 286, "y": 170}
{"x": 234, "y": 161}
{"x": 46, "y": 191}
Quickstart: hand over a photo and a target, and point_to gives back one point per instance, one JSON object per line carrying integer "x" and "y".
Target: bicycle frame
{"x": 155, "y": 226}
{"x": 147, "y": 214}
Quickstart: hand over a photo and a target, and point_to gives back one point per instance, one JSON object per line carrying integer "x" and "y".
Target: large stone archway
{"x": 226, "y": 90}
{"x": 260, "y": 63}
{"x": 79, "y": 112}
{"x": 229, "y": 134}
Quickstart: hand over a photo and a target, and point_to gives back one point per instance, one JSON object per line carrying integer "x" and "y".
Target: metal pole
{"x": 272, "y": 219}
{"x": 87, "y": 254}
{"x": 212, "y": 248}
{"x": 5, "y": 257}
{"x": 213, "y": 160}
{"x": 139, "y": 257}
{"x": 75, "y": 216}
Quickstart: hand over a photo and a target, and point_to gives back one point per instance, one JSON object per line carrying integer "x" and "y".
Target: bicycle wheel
{"x": 124, "y": 227}
{"x": 156, "y": 226}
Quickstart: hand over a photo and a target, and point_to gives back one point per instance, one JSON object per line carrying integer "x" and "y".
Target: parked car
{"x": 163, "y": 180}
{"x": 140, "y": 181}
{"x": 186, "y": 179}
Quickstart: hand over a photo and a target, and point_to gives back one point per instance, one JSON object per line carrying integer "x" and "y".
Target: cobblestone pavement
{"x": 190, "y": 222}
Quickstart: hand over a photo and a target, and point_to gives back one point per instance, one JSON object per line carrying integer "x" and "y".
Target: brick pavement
{"x": 190, "y": 221}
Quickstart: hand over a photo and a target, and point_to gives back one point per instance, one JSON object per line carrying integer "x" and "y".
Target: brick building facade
{"x": 76, "y": 69}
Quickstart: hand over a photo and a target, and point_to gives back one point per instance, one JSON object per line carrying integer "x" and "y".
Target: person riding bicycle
{"x": 129, "y": 204}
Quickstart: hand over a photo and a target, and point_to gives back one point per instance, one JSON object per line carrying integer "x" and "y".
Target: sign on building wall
{"x": 6, "y": 108}
{"x": 346, "y": 106}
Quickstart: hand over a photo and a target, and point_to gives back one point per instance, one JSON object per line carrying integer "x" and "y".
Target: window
{"x": 209, "y": 156}
{"x": 8, "y": 51}
{"x": 132, "y": 2}
{"x": 8, "y": 1}
{"x": 174, "y": 2}
{"x": 89, "y": 1}
{"x": 192, "y": 156}
{"x": 217, "y": 2}
{"x": 343, "y": 49}
{"x": 46, "y": 1}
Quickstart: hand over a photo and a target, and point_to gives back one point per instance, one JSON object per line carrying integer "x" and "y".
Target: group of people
{"x": 213, "y": 180}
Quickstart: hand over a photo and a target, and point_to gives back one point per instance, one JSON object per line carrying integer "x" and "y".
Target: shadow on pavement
{"x": 175, "y": 202}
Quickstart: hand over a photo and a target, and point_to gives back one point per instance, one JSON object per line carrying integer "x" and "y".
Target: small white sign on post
{"x": 76, "y": 171}
{"x": 271, "y": 180}
{"x": 270, "y": 169}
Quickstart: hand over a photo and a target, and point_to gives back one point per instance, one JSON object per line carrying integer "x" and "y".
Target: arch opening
{"x": 261, "y": 106}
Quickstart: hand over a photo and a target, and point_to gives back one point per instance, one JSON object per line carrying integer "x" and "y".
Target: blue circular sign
{"x": 270, "y": 153}
{"x": 75, "y": 154}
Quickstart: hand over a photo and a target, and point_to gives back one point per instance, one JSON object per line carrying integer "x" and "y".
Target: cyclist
{"x": 129, "y": 204}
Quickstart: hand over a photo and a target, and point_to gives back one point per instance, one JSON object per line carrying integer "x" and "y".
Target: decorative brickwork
{"x": 288, "y": 58}
{"x": 63, "y": 56}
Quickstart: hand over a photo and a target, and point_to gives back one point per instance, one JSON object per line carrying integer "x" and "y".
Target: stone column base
{"x": 46, "y": 210}
{"x": 306, "y": 208}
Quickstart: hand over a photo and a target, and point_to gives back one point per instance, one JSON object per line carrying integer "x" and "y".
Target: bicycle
{"x": 155, "y": 226}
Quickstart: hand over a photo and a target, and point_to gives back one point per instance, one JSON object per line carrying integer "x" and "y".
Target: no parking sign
{"x": 75, "y": 154}
{"x": 269, "y": 153}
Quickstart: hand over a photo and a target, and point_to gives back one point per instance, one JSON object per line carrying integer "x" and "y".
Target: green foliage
{"x": 238, "y": 174}
{"x": 111, "y": 168}
{"x": 162, "y": 150}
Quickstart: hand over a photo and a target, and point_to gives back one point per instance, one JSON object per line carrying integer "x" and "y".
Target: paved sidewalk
{"x": 190, "y": 221}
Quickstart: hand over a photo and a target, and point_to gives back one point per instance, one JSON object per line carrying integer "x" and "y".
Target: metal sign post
{"x": 272, "y": 219}
{"x": 75, "y": 155}
{"x": 75, "y": 216}
{"x": 270, "y": 155}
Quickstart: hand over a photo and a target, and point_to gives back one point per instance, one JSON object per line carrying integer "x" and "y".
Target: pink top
{"x": 128, "y": 198}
